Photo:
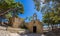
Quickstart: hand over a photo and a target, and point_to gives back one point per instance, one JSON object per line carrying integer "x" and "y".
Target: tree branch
{"x": 11, "y": 9}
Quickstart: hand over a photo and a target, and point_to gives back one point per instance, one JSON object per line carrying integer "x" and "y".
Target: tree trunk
{"x": 52, "y": 26}
{"x": 2, "y": 22}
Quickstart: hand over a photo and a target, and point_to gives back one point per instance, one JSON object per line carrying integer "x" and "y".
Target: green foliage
{"x": 9, "y": 2}
{"x": 8, "y": 15}
{"x": 53, "y": 18}
{"x": 5, "y": 5}
{"x": 38, "y": 4}
{"x": 51, "y": 15}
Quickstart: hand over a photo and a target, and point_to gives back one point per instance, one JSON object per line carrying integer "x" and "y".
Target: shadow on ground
{"x": 46, "y": 34}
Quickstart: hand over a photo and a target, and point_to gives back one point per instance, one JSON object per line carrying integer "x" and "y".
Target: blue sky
{"x": 29, "y": 9}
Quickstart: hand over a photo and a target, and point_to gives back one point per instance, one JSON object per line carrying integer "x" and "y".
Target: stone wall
{"x": 38, "y": 25}
{"x": 16, "y": 22}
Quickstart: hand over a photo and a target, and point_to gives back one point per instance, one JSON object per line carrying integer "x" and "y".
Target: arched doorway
{"x": 34, "y": 29}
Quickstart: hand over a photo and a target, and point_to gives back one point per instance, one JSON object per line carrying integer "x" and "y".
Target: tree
{"x": 48, "y": 6}
{"x": 8, "y": 8}
{"x": 38, "y": 3}
{"x": 53, "y": 18}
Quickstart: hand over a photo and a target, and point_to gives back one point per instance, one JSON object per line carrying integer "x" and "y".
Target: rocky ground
{"x": 9, "y": 32}
{"x": 4, "y": 31}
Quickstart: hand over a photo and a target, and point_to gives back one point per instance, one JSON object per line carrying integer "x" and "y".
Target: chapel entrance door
{"x": 34, "y": 29}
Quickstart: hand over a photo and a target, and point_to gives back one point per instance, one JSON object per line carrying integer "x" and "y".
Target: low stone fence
{"x": 14, "y": 30}
{"x": 7, "y": 33}
{"x": 2, "y": 28}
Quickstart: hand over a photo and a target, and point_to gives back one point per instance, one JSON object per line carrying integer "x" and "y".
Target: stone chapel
{"x": 35, "y": 26}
